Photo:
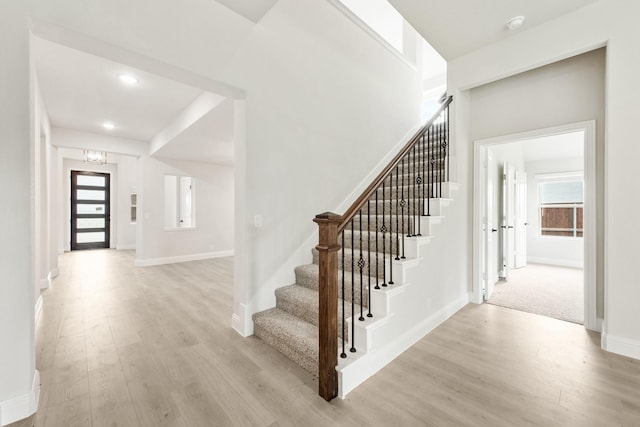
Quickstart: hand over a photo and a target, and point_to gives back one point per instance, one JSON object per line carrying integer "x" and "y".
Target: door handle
{"x": 511, "y": 226}
{"x": 494, "y": 230}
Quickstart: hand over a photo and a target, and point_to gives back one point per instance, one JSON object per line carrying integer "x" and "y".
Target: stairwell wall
{"x": 609, "y": 23}
{"x": 325, "y": 103}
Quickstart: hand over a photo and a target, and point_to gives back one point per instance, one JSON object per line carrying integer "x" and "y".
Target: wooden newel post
{"x": 328, "y": 248}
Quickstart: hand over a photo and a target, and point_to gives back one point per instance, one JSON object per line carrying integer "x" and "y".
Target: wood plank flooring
{"x": 124, "y": 346}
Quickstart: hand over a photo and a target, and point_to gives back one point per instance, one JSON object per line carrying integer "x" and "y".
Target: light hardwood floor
{"x": 125, "y": 346}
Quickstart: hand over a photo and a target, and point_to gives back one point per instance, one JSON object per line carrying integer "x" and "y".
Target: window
{"x": 561, "y": 208}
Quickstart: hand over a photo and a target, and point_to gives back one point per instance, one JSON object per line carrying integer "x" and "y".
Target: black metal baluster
{"x": 428, "y": 175}
{"x": 383, "y": 229}
{"x": 432, "y": 161}
{"x": 377, "y": 270}
{"x": 368, "y": 258}
{"x": 440, "y": 158}
{"x": 422, "y": 162}
{"x": 415, "y": 192}
{"x": 397, "y": 216}
{"x": 343, "y": 354}
{"x": 361, "y": 265}
{"x": 353, "y": 293}
{"x": 448, "y": 146}
{"x": 391, "y": 227}
{"x": 419, "y": 186}
{"x": 403, "y": 202}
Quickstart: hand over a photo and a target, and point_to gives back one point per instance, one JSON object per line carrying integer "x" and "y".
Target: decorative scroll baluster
{"x": 360, "y": 265}
{"x": 415, "y": 195}
{"x": 446, "y": 120}
{"x": 403, "y": 202}
{"x": 390, "y": 282}
{"x": 383, "y": 230}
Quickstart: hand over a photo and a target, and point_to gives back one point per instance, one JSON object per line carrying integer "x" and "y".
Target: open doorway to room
{"x": 535, "y": 222}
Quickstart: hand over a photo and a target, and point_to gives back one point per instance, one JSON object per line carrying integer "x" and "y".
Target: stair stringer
{"x": 402, "y": 312}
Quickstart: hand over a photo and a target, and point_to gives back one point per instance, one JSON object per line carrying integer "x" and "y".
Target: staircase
{"x": 380, "y": 245}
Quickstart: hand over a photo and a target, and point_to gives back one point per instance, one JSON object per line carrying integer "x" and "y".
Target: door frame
{"x": 590, "y": 210}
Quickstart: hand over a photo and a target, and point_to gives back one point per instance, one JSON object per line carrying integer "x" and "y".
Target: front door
{"x": 90, "y": 210}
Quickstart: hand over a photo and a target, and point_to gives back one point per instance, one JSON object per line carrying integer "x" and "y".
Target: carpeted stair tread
{"x": 290, "y": 335}
{"x": 302, "y": 302}
{"x": 308, "y": 276}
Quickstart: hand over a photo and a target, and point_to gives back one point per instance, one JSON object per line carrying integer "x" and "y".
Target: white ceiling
{"x": 253, "y": 10}
{"x": 457, "y": 27}
{"x": 81, "y": 91}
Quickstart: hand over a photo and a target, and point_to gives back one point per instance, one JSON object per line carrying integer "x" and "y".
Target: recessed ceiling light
{"x": 127, "y": 79}
{"x": 108, "y": 126}
{"x": 515, "y": 22}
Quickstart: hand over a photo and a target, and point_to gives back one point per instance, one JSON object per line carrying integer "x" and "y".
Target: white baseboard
{"x": 126, "y": 247}
{"x": 55, "y": 273}
{"x": 21, "y": 406}
{"x": 354, "y": 374}
{"x": 240, "y": 323}
{"x": 619, "y": 345}
{"x": 559, "y": 262}
{"x": 181, "y": 258}
{"x": 45, "y": 282}
{"x": 38, "y": 309}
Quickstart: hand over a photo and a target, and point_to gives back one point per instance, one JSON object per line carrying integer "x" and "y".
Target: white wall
{"x": 127, "y": 184}
{"x": 568, "y": 91}
{"x": 214, "y": 213}
{"x": 609, "y": 23}
{"x": 17, "y": 135}
{"x": 568, "y": 252}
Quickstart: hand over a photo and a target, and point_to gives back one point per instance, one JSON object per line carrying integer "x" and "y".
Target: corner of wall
{"x": 241, "y": 322}
{"x": 21, "y": 406}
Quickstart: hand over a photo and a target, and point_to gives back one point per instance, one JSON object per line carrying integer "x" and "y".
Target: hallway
{"x": 125, "y": 346}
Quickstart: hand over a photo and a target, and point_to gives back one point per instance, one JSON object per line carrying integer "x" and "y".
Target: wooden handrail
{"x": 371, "y": 189}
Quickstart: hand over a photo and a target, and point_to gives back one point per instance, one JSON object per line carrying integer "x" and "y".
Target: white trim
{"x": 55, "y": 273}
{"x": 355, "y": 373}
{"x": 21, "y": 406}
{"x": 555, "y": 261}
{"x": 590, "y": 209}
{"x": 125, "y": 247}
{"x": 46, "y": 282}
{"x": 559, "y": 175}
{"x": 619, "y": 345}
{"x": 181, "y": 258}
{"x": 38, "y": 309}
{"x": 241, "y": 323}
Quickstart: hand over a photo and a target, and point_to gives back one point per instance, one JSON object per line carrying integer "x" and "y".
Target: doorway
{"x": 90, "y": 210}
{"x": 497, "y": 234}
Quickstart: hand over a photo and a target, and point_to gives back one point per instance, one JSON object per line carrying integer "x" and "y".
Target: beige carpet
{"x": 543, "y": 289}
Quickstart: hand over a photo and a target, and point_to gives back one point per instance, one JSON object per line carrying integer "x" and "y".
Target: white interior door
{"x": 491, "y": 228}
{"x": 185, "y": 202}
{"x": 508, "y": 215}
{"x": 520, "y": 220}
